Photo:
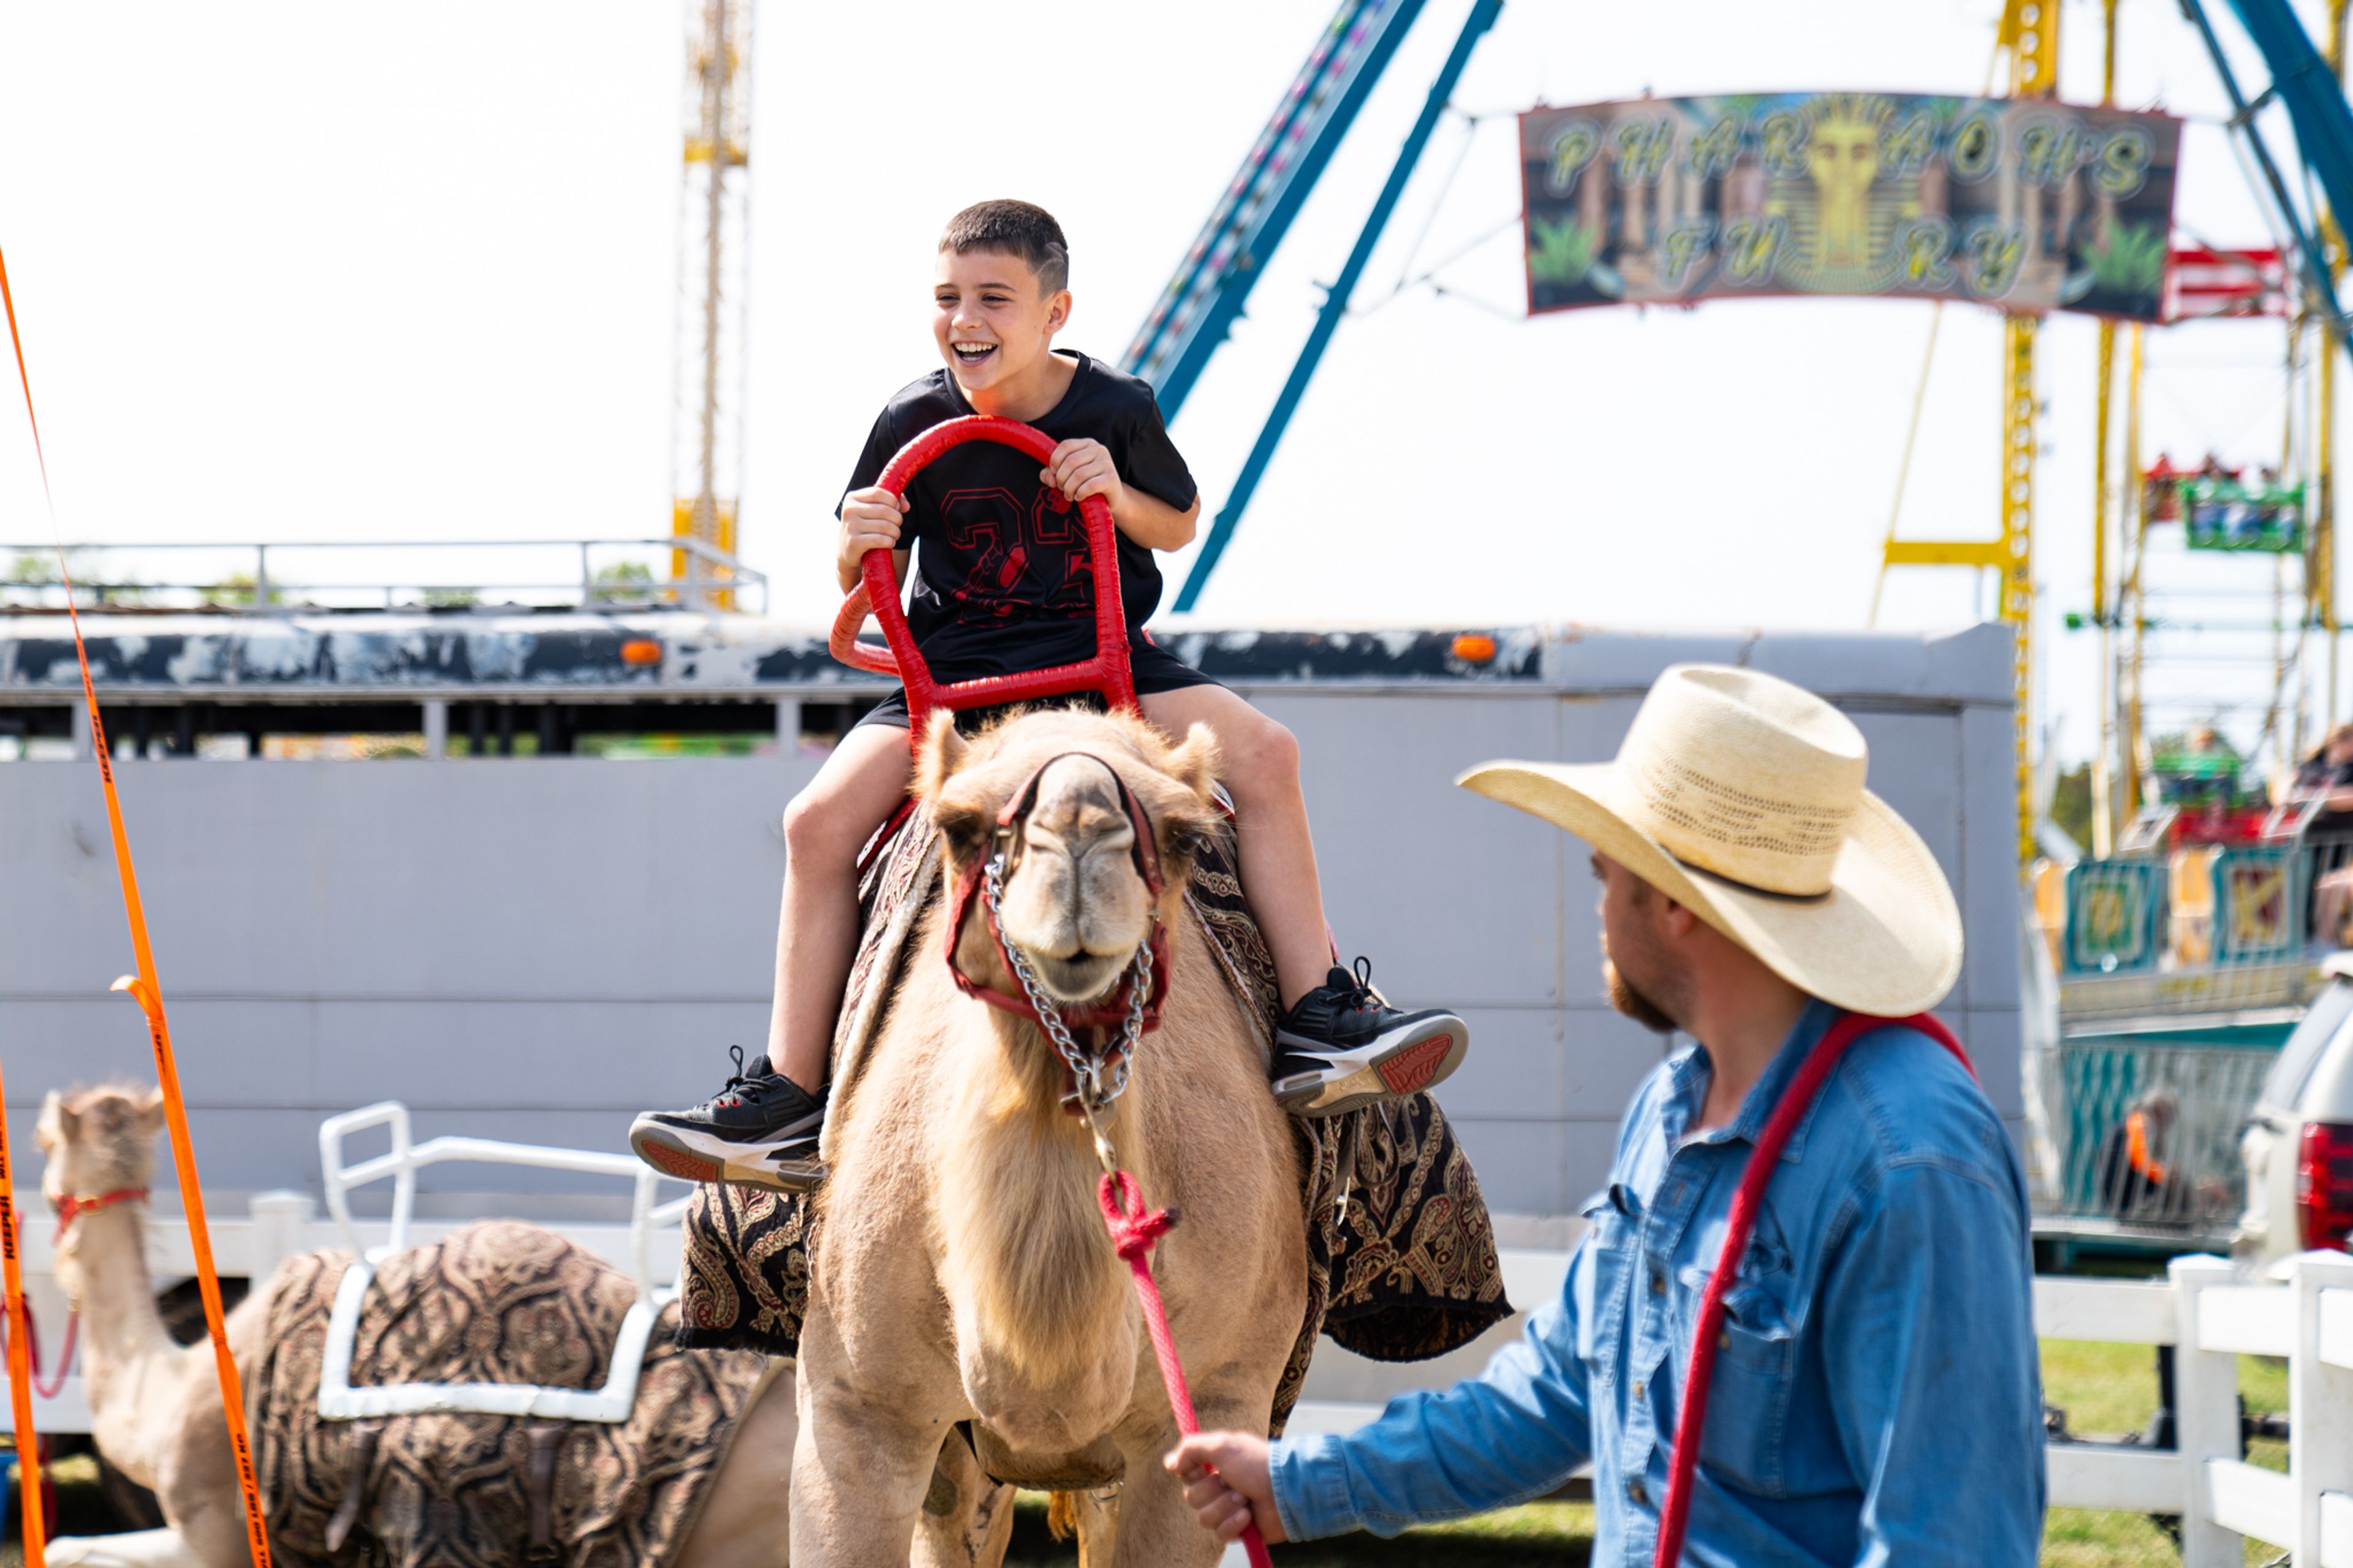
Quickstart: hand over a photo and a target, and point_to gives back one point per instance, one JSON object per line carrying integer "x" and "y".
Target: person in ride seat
{"x": 1002, "y": 585}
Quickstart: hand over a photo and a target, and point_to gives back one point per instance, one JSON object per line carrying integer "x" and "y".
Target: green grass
{"x": 2109, "y": 1390}
{"x": 1554, "y": 1534}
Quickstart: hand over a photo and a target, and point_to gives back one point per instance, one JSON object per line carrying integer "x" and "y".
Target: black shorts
{"x": 1155, "y": 667}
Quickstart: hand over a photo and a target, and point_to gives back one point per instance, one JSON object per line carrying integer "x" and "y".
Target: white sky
{"x": 291, "y": 271}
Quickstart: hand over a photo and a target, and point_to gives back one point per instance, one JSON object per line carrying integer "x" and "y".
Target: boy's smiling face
{"x": 993, "y": 323}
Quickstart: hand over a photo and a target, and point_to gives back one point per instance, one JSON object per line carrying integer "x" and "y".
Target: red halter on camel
{"x": 1134, "y": 1228}
{"x": 69, "y": 1209}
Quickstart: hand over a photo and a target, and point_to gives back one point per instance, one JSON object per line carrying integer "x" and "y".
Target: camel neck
{"x": 129, "y": 1366}
{"x": 1033, "y": 1073}
{"x": 103, "y": 1267}
{"x": 1024, "y": 1241}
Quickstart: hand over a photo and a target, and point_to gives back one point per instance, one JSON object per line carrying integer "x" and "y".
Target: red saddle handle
{"x": 878, "y": 594}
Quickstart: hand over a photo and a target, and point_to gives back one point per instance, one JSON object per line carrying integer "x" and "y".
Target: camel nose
{"x": 1075, "y": 898}
{"x": 1080, "y": 814}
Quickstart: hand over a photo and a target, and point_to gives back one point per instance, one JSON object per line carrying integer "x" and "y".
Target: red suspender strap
{"x": 1674, "y": 1515}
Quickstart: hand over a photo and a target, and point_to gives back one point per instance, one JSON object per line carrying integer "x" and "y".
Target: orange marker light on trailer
{"x": 1475, "y": 647}
{"x": 642, "y": 650}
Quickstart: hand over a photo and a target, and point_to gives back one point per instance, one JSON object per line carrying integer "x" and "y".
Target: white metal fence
{"x": 2211, "y": 1316}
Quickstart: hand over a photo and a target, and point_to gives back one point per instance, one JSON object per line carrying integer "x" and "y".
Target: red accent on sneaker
{"x": 677, "y": 1162}
{"x": 1416, "y": 1065}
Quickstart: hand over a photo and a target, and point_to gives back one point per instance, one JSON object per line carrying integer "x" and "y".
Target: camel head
{"x": 1075, "y": 905}
{"x": 99, "y": 1140}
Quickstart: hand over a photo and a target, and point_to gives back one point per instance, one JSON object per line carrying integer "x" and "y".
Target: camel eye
{"x": 965, "y": 827}
{"x": 1186, "y": 842}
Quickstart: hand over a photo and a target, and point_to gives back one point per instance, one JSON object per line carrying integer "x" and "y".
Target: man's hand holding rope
{"x": 1226, "y": 1483}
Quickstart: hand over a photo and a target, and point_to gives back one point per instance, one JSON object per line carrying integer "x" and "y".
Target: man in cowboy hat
{"x": 1875, "y": 1396}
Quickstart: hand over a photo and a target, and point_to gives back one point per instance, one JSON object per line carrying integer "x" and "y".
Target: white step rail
{"x": 340, "y": 1400}
{"x": 406, "y": 1158}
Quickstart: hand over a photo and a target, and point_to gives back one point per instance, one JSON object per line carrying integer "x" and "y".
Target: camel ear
{"x": 1194, "y": 762}
{"x": 944, "y": 754}
{"x": 941, "y": 756}
{"x": 58, "y": 1123}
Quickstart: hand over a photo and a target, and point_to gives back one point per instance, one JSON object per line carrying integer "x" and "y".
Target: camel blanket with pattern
{"x": 1400, "y": 1253}
{"x": 498, "y": 1301}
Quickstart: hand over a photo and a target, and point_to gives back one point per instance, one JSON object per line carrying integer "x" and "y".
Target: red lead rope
{"x": 1674, "y": 1516}
{"x": 1133, "y": 1229}
{"x": 55, "y": 1385}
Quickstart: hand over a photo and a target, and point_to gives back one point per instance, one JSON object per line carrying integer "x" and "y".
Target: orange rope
{"x": 149, "y": 994}
{"x": 20, "y": 1368}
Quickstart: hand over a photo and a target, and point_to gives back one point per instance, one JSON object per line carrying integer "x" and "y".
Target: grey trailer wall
{"x": 534, "y": 948}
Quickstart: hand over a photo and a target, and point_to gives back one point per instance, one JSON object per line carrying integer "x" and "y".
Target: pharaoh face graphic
{"x": 1842, "y": 157}
{"x": 1841, "y": 222}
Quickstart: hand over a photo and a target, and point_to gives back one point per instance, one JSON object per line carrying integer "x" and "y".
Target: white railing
{"x": 341, "y": 1400}
{"x": 2211, "y": 1316}
{"x": 406, "y": 1158}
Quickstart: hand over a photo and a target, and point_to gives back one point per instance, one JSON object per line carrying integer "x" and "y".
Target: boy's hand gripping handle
{"x": 878, "y": 594}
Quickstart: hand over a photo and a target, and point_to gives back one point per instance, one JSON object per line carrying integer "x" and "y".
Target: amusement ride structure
{"x": 2180, "y": 935}
{"x": 713, "y": 272}
{"x": 2295, "y": 277}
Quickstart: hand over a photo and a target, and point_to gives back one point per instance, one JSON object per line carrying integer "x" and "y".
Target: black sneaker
{"x": 1343, "y": 1047}
{"x": 761, "y": 1131}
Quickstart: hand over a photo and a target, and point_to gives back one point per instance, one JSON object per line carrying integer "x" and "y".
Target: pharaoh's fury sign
{"x": 2024, "y": 205}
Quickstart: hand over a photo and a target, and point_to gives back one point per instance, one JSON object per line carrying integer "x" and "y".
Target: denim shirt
{"x": 1877, "y": 1390}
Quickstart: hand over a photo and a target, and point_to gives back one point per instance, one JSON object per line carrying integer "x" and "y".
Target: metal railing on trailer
{"x": 2140, "y": 1102}
{"x": 709, "y": 576}
{"x": 2092, "y": 1084}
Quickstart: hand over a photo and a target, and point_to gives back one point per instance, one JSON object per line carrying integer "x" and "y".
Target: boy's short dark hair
{"x": 1017, "y": 228}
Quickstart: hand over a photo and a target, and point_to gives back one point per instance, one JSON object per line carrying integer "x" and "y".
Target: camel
{"x": 963, "y": 1272}
{"x": 155, "y": 1406}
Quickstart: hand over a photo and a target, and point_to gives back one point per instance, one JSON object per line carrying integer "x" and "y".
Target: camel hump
{"x": 493, "y": 1301}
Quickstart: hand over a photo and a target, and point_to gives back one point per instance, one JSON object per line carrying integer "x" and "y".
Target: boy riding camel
{"x": 1002, "y": 585}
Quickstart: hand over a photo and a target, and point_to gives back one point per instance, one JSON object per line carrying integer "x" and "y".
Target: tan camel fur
{"x": 156, "y": 1407}
{"x": 962, "y": 1271}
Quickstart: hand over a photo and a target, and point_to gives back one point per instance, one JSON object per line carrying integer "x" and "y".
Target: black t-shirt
{"x": 2320, "y": 777}
{"x": 2319, "y": 774}
{"x": 1001, "y": 581}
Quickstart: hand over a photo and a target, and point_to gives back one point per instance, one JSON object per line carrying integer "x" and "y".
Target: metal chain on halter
{"x": 1095, "y": 1089}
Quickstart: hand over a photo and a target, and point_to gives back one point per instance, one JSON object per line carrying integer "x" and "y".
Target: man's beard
{"x": 1633, "y": 1003}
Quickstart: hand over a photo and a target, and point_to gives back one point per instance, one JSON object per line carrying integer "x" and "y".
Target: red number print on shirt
{"x": 1018, "y": 559}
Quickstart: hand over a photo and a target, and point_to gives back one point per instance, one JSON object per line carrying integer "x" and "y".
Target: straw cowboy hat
{"x": 1740, "y": 797}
